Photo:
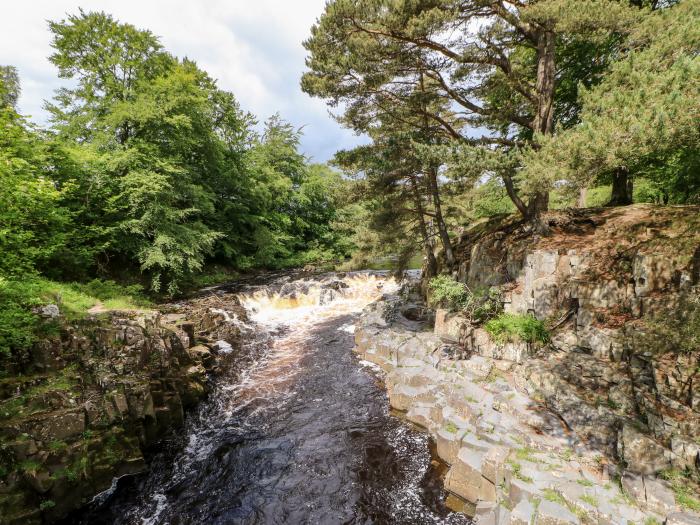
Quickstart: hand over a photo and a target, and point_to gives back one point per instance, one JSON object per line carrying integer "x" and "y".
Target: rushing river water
{"x": 298, "y": 431}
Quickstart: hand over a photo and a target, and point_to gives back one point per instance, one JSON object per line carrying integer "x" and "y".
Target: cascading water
{"x": 296, "y": 431}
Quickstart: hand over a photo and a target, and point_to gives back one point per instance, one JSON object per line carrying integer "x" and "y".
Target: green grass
{"x": 584, "y": 482}
{"x": 451, "y": 427}
{"x": 29, "y": 466}
{"x": 685, "y": 488}
{"x": 57, "y": 445}
{"x": 517, "y": 328}
{"x": 47, "y": 504}
{"x": 526, "y": 454}
{"x": 590, "y": 500}
{"x": 517, "y": 471}
{"x": 554, "y": 497}
{"x": 20, "y": 327}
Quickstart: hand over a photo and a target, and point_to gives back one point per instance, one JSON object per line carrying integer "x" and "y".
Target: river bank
{"x": 512, "y": 459}
{"x": 278, "y": 421}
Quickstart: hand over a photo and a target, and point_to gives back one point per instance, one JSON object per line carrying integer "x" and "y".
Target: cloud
{"x": 253, "y": 48}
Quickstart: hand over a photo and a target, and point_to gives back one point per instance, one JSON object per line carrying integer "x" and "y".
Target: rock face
{"x": 600, "y": 281}
{"x": 90, "y": 402}
{"x": 508, "y": 454}
{"x": 607, "y": 389}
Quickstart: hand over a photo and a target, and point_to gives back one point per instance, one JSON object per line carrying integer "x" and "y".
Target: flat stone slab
{"x": 683, "y": 518}
{"x": 523, "y": 513}
{"x": 551, "y": 513}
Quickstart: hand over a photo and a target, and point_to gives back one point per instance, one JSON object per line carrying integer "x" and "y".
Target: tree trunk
{"x": 544, "y": 112}
{"x": 621, "y": 188}
{"x": 431, "y": 262}
{"x": 544, "y": 88}
{"x": 582, "y": 194}
{"x": 537, "y": 204}
{"x": 510, "y": 189}
{"x": 439, "y": 220}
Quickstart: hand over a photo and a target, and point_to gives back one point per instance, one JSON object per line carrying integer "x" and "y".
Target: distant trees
{"x": 150, "y": 169}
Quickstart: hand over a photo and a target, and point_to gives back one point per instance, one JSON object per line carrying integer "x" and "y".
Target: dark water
{"x": 297, "y": 432}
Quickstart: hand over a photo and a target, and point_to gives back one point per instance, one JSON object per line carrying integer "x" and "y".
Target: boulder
{"x": 659, "y": 496}
{"x": 523, "y": 513}
{"x": 641, "y": 453}
{"x": 450, "y": 327}
{"x": 464, "y": 477}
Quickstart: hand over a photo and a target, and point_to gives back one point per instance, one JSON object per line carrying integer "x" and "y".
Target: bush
{"x": 448, "y": 293}
{"x": 479, "y": 305}
{"x": 511, "y": 327}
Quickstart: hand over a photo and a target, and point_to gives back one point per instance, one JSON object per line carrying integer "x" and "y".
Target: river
{"x": 297, "y": 430}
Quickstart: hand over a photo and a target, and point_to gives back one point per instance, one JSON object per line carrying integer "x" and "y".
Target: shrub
{"x": 479, "y": 305}
{"x": 47, "y": 504}
{"x": 511, "y": 327}
{"x": 448, "y": 293}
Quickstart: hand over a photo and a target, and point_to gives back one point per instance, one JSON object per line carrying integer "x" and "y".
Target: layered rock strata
{"x": 512, "y": 457}
{"x": 93, "y": 399}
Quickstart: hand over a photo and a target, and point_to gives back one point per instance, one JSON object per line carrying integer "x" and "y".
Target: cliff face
{"x": 92, "y": 399}
{"x": 618, "y": 289}
{"x": 585, "y": 428}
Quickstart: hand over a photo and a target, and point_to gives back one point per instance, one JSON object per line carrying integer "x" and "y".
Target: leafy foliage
{"x": 479, "y": 305}
{"x": 511, "y": 327}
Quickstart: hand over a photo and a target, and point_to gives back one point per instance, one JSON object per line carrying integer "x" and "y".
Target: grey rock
{"x": 659, "y": 496}
{"x": 522, "y": 513}
{"x": 551, "y": 513}
{"x": 683, "y": 518}
{"x": 49, "y": 311}
{"x": 641, "y": 453}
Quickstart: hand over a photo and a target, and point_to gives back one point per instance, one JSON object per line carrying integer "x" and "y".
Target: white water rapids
{"x": 298, "y": 431}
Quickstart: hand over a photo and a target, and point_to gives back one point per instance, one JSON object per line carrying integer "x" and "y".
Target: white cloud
{"x": 254, "y": 49}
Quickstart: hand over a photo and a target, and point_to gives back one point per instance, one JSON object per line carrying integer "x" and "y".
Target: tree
{"x": 9, "y": 86}
{"x": 493, "y": 62}
{"x": 642, "y": 118}
{"x": 395, "y": 181}
{"x": 144, "y": 124}
{"x": 32, "y": 222}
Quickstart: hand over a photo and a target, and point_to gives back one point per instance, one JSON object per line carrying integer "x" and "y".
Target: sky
{"x": 252, "y": 47}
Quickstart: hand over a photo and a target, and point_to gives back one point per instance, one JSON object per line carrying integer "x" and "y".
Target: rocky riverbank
{"x": 91, "y": 400}
{"x": 601, "y": 424}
